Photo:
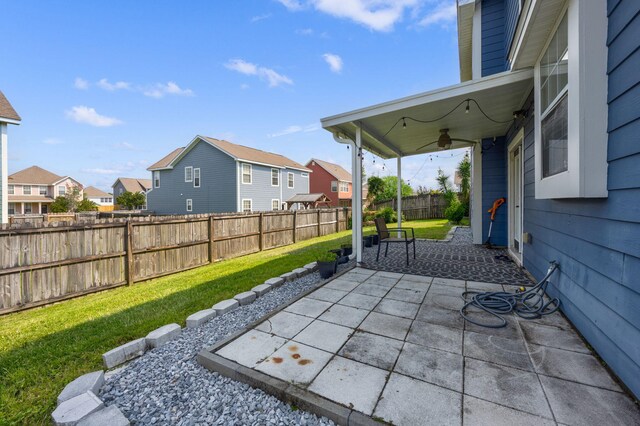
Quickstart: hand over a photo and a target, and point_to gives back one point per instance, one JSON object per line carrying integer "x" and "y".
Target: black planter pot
{"x": 368, "y": 241}
{"x": 327, "y": 269}
{"x": 342, "y": 258}
{"x": 347, "y": 251}
{"x": 375, "y": 239}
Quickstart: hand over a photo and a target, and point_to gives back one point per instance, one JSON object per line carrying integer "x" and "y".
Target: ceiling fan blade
{"x": 463, "y": 140}
{"x": 424, "y": 146}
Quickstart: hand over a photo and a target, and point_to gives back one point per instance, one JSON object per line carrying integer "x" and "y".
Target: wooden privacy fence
{"x": 424, "y": 206}
{"x": 51, "y": 263}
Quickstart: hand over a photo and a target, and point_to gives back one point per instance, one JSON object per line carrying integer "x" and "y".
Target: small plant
{"x": 326, "y": 256}
{"x": 388, "y": 214}
{"x": 455, "y": 212}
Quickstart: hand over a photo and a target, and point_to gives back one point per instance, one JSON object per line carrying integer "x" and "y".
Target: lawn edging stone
{"x": 311, "y": 267}
{"x": 275, "y": 282}
{"x": 108, "y": 416}
{"x": 124, "y": 353}
{"x": 245, "y": 298}
{"x": 71, "y": 411}
{"x": 289, "y": 276}
{"x": 261, "y": 289}
{"x": 225, "y": 306}
{"x": 301, "y": 272}
{"x": 200, "y": 317}
{"x": 87, "y": 382}
{"x": 162, "y": 335}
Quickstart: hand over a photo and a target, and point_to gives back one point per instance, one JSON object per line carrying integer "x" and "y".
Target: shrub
{"x": 388, "y": 214}
{"x": 455, "y": 212}
{"x": 326, "y": 256}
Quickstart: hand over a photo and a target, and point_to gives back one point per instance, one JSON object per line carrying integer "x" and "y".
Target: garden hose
{"x": 528, "y": 304}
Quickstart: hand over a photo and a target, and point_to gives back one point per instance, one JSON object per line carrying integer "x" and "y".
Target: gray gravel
{"x": 168, "y": 386}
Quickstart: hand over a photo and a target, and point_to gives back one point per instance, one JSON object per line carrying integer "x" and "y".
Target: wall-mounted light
{"x": 521, "y": 113}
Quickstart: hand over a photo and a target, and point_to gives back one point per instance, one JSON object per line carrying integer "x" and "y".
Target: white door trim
{"x": 517, "y": 142}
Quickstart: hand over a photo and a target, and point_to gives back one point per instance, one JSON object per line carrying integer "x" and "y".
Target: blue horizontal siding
{"x": 493, "y": 37}
{"x": 494, "y": 186}
{"x": 626, "y": 42}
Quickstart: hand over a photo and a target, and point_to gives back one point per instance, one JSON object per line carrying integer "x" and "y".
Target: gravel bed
{"x": 168, "y": 386}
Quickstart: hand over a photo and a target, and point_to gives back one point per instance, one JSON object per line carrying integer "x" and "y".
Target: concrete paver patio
{"x": 395, "y": 348}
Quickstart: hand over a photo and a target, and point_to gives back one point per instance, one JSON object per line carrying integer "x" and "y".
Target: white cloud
{"x": 101, "y": 171}
{"x": 334, "y": 61}
{"x": 291, "y": 4}
{"x": 87, "y": 115}
{"x": 52, "y": 141}
{"x": 444, "y": 13}
{"x": 81, "y": 84}
{"x": 295, "y": 129}
{"x": 244, "y": 86}
{"x": 159, "y": 90}
{"x": 126, "y": 146}
{"x": 272, "y": 77}
{"x": 260, "y": 17}
{"x": 305, "y": 31}
{"x": 112, "y": 87}
{"x": 120, "y": 169}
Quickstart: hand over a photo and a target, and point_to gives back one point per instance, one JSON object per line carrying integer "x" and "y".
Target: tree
{"x": 464, "y": 169}
{"x": 444, "y": 184}
{"x": 376, "y": 186}
{"x": 131, "y": 200}
{"x": 87, "y": 205}
{"x": 390, "y": 189}
{"x": 60, "y": 205}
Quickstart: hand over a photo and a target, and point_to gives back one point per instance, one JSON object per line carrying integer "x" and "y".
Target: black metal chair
{"x": 384, "y": 236}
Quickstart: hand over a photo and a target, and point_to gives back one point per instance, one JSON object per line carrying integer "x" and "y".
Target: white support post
{"x": 476, "y": 193}
{"x": 4, "y": 186}
{"x": 399, "y": 195}
{"x": 356, "y": 195}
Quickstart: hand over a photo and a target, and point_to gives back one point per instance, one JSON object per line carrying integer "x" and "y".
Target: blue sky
{"x": 107, "y": 88}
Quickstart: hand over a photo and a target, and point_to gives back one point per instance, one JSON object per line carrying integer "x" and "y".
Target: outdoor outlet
{"x": 526, "y": 237}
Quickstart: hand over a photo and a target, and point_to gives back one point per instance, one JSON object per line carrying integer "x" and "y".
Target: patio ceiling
{"x": 498, "y": 95}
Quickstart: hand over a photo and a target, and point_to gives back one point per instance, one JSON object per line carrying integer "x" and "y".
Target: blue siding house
{"x": 551, "y": 91}
{"x": 216, "y": 176}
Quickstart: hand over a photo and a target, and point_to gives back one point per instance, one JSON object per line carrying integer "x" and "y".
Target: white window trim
{"x": 346, "y": 185}
{"x": 190, "y": 177}
{"x": 189, "y": 204}
{"x": 304, "y": 174}
{"x": 586, "y": 176}
{"x": 278, "y": 174}
{"x": 156, "y": 179}
{"x": 11, "y": 189}
{"x": 337, "y": 186}
{"x": 25, "y": 187}
{"x": 199, "y": 181}
{"x": 277, "y": 201}
{"x": 242, "y": 173}
{"x": 41, "y": 188}
{"x": 293, "y": 183}
{"x": 250, "y": 204}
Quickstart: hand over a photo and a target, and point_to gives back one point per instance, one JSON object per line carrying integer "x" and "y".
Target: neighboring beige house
{"x": 8, "y": 115}
{"x": 32, "y": 190}
{"x": 98, "y": 196}
{"x": 124, "y": 184}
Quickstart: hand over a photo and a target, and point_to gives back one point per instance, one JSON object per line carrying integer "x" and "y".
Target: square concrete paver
{"x": 386, "y": 325}
{"x": 309, "y": 307}
{"x": 251, "y": 348}
{"x": 509, "y": 352}
{"x": 483, "y": 413}
{"x": 447, "y": 301}
{"x": 344, "y": 315}
{"x": 381, "y": 281}
{"x": 436, "y": 336}
{"x": 324, "y": 335}
{"x": 405, "y": 295}
{"x": 342, "y": 284}
{"x": 506, "y": 386}
{"x": 554, "y": 337}
{"x": 378, "y": 351}
{"x": 510, "y": 331}
{"x": 350, "y": 383}
{"x": 397, "y": 308}
{"x": 295, "y": 363}
{"x": 410, "y": 402}
{"x": 573, "y": 403}
{"x": 441, "y": 316}
{"x": 371, "y": 290}
{"x": 361, "y": 301}
{"x": 284, "y": 324}
{"x": 431, "y": 365}
{"x": 449, "y": 282}
{"x": 327, "y": 294}
{"x": 387, "y": 274}
{"x": 416, "y": 278}
{"x": 484, "y": 287}
{"x": 412, "y": 285}
{"x": 582, "y": 368}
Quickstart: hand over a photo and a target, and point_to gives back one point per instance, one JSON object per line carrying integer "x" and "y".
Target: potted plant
{"x": 340, "y": 256}
{"x": 347, "y": 249}
{"x": 375, "y": 239}
{"x": 327, "y": 264}
{"x": 368, "y": 241}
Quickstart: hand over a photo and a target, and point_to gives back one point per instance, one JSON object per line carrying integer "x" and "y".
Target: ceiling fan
{"x": 444, "y": 141}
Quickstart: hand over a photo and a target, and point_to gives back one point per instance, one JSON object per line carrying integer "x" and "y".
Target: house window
{"x": 334, "y": 186}
{"x": 188, "y": 174}
{"x": 44, "y": 209}
{"x": 275, "y": 204}
{"x": 344, "y": 187}
{"x": 43, "y": 190}
{"x": 62, "y": 190}
{"x": 246, "y": 205}
{"x": 156, "y": 179}
{"x": 196, "y": 178}
{"x": 304, "y": 175}
{"x": 554, "y": 79}
{"x": 275, "y": 177}
{"x": 570, "y": 88}
{"x": 246, "y": 173}
{"x": 289, "y": 180}
{"x": 27, "y": 208}
{"x": 26, "y": 190}
{"x": 189, "y": 204}
{"x": 12, "y": 208}
{"x": 11, "y": 189}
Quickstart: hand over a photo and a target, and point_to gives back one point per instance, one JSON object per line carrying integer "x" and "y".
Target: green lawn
{"x": 43, "y": 349}
{"x": 430, "y": 228}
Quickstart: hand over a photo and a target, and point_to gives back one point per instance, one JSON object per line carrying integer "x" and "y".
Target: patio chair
{"x": 385, "y": 236}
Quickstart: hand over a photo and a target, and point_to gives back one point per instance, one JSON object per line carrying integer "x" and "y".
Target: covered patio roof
{"x": 498, "y": 95}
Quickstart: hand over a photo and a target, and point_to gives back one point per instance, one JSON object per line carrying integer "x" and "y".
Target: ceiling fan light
{"x": 444, "y": 141}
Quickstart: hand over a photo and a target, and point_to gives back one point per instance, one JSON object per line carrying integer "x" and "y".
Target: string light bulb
{"x": 404, "y": 123}
{"x": 466, "y": 110}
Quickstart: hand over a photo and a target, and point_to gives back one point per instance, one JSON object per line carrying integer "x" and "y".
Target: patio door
{"x": 515, "y": 200}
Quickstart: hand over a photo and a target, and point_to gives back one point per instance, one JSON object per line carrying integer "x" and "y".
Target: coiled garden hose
{"x": 527, "y": 304}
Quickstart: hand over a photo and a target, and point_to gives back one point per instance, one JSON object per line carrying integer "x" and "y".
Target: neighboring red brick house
{"x": 331, "y": 180}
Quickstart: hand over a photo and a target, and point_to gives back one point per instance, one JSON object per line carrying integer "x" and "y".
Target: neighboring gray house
{"x": 134, "y": 185}
{"x": 211, "y": 175}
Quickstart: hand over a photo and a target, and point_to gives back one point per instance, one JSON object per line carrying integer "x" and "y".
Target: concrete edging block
{"x": 200, "y": 317}
{"x": 71, "y": 411}
{"x": 225, "y": 306}
{"x": 87, "y": 382}
{"x": 275, "y": 282}
{"x": 245, "y": 298}
{"x": 162, "y": 335}
{"x": 311, "y": 267}
{"x": 289, "y": 276}
{"x": 261, "y": 289}
{"x": 124, "y": 353}
{"x": 301, "y": 271}
{"x": 109, "y": 416}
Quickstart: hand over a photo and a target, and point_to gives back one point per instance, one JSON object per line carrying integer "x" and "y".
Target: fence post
{"x": 337, "y": 220}
{"x": 212, "y": 243}
{"x": 319, "y": 223}
{"x": 261, "y": 231}
{"x": 129, "y": 236}
{"x": 295, "y": 225}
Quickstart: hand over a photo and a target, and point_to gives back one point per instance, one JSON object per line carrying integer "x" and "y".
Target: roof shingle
{"x": 92, "y": 191}
{"x": 6, "y": 110}
{"x": 166, "y": 160}
{"x": 134, "y": 184}
{"x": 34, "y": 175}
{"x": 337, "y": 171}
